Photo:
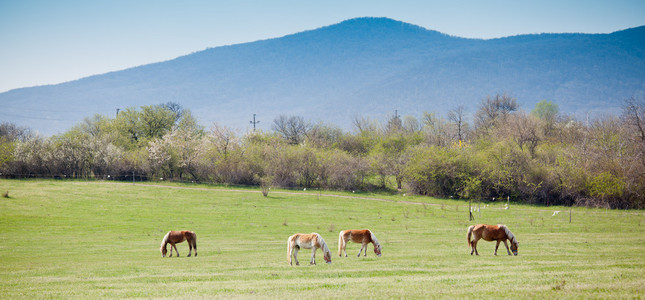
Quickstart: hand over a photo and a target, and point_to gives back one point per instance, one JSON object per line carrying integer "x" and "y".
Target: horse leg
{"x": 475, "y": 248}
{"x": 313, "y": 256}
{"x": 190, "y": 248}
{"x": 507, "y": 250}
{"x": 497, "y": 246}
{"x": 171, "y": 244}
{"x": 295, "y": 255}
{"x": 344, "y": 249}
{"x": 363, "y": 246}
{"x": 175, "y": 246}
{"x": 195, "y": 245}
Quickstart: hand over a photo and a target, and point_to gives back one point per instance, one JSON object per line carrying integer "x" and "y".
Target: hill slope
{"x": 360, "y": 67}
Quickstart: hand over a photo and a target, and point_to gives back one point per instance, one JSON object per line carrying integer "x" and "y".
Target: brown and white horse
{"x": 307, "y": 241}
{"x": 173, "y": 237}
{"x": 364, "y": 237}
{"x": 499, "y": 233}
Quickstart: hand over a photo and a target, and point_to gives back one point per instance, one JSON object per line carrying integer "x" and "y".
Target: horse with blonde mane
{"x": 307, "y": 241}
{"x": 362, "y": 236}
{"x": 173, "y": 237}
{"x": 499, "y": 233}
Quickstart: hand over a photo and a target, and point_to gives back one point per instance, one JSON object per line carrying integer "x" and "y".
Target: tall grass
{"x": 101, "y": 240}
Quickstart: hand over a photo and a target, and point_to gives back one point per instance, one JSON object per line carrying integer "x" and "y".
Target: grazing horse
{"x": 499, "y": 233}
{"x": 173, "y": 237}
{"x": 307, "y": 241}
{"x": 364, "y": 236}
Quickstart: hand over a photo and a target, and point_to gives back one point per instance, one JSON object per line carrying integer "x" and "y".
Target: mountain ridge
{"x": 359, "y": 67}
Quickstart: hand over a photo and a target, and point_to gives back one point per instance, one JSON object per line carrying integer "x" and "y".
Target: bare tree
{"x": 525, "y": 130}
{"x": 291, "y": 128}
{"x": 458, "y": 118}
{"x": 223, "y": 138}
{"x": 435, "y": 129}
{"x": 634, "y": 116}
{"x": 411, "y": 124}
{"x": 493, "y": 111}
{"x": 11, "y": 132}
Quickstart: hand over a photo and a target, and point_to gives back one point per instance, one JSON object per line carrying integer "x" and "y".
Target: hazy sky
{"x": 53, "y": 41}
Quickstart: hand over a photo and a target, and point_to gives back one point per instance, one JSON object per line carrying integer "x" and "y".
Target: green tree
{"x": 545, "y": 110}
{"x": 156, "y": 120}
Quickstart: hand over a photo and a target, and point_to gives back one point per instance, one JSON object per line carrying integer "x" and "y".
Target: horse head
{"x": 377, "y": 249}
{"x": 163, "y": 251}
{"x": 514, "y": 245}
{"x": 327, "y": 256}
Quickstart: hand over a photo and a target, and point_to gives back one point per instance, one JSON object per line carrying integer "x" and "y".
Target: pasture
{"x": 67, "y": 239}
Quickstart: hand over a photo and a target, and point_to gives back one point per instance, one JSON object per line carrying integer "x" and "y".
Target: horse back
{"x": 490, "y": 232}
{"x": 360, "y": 236}
{"x": 179, "y": 236}
{"x": 189, "y": 235}
{"x": 306, "y": 241}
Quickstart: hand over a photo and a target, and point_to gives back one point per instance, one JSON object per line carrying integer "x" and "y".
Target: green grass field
{"x": 66, "y": 239}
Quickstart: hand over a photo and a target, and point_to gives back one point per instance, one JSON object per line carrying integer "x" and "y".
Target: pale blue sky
{"x": 49, "y": 42}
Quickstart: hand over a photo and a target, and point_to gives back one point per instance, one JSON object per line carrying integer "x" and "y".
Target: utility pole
{"x": 254, "y": 122}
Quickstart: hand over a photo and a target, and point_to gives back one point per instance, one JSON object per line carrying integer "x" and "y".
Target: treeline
{"x": 539, "y": 156}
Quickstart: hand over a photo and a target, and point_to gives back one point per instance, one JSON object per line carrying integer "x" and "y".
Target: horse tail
{"x": 194, "y": 241}
{"x": 290, "y": 247}
{"x": 341, "y": 242}
{"x": 470, "y": 232}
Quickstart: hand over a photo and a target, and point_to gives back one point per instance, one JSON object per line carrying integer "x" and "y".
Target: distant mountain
{"x": 360, "y": 67}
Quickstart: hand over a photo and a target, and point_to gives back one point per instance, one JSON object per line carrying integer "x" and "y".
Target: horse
{"x": 364, "y": 236}
{"x": 174, "y": 237}
{"x": 307, "y": 241}
{"x": 499, "y": 233}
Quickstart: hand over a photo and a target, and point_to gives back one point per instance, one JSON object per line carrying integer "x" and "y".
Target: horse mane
{"x": 373, "y": 237}
{"x": 164, "y": 241}
{"x": 323, "y": 244}
{"x": 509, "y": 233}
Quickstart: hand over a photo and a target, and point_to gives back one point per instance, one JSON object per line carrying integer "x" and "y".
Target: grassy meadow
{"x": 69, "y": 239}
